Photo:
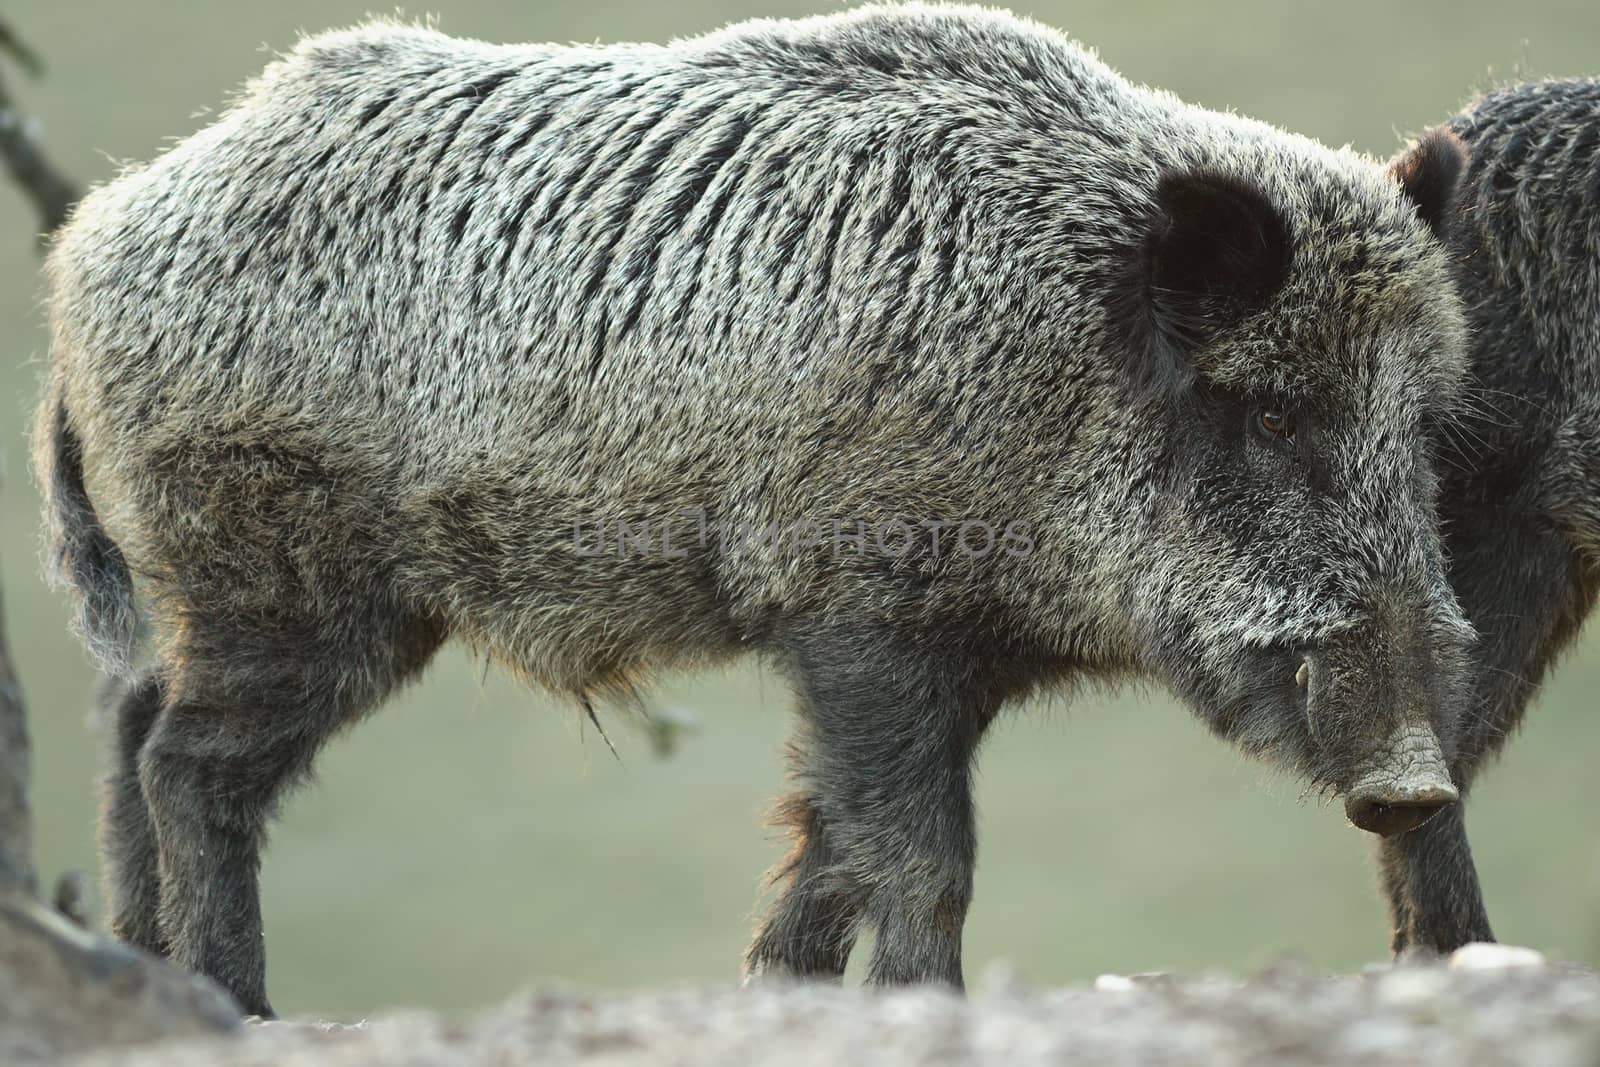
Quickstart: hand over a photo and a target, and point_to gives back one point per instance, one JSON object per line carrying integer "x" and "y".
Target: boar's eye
{"x": 1274, "y": 426}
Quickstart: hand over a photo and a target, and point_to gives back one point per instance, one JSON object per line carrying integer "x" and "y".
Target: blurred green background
{"x": 471, "y": 838}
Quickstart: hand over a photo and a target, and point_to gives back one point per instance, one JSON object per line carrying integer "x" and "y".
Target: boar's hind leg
{"x": 212, "y": 774}
{"x": 236, "y": 732}
{"x": 127, "y": 840}
{"x": 888, "y": 733}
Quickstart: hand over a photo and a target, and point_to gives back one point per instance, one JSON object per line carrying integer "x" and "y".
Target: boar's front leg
{"x": 889, "y": 728}
{"x": 1428, "y": 875}
{"x": 1515, "y": 577}
{"x": 812, "y": 928}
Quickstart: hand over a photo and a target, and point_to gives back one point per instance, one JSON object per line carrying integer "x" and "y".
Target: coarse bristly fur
{"x": 378, "y": 359}
{"x": 1520, "y": 473}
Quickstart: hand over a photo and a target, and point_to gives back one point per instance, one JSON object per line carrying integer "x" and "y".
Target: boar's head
{"x": 1285, "y": 574}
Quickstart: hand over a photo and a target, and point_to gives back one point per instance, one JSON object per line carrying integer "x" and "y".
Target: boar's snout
{"x": 1387, "y": 816}
{"x": 1383, "y": 700}
{"x": 1406, "y": 785}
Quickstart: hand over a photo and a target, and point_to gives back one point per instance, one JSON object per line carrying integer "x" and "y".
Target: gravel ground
{"x": 1485, "y": 1006}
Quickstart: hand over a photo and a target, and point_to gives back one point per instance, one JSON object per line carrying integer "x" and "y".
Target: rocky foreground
{"x": 1485, "y": 1006}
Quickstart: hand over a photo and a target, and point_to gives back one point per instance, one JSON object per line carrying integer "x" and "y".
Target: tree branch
{"x": 52, "y": 196}
{"x": 16, "y": 824}
{"x": 50, "y": 192}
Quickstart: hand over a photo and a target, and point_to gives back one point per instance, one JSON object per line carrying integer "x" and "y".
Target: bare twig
{"x": 50, "y": 192}
{"x": 53, "y": 196}
{"x": 18, "y": 50}
{"x": 16, "y": 825}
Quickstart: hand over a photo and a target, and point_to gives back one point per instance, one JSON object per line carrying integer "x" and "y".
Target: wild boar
{"x": 1520, "y": 468}
{"x": 909, "y": 348}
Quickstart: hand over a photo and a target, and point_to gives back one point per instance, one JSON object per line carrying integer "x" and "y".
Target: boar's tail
{"x": 82, "y": 557}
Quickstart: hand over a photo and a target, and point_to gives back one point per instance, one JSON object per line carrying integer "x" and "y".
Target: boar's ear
{"x": 1216, "y": 249}
{"x": 1429, "y": 173}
